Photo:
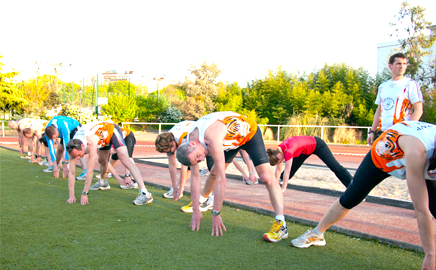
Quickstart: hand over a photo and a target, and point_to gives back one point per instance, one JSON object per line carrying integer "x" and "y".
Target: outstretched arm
{"x": 286, "y": 173}
{"x": 416, "y": 160}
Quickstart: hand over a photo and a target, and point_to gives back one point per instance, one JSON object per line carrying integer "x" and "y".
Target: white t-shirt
{"x": 396, "y": 99}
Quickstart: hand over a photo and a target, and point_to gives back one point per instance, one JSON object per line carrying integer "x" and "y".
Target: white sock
{"x": 144, "y": 190}
{"x": 202, "y": 199}
{"x": 317, "y": 232}
{"x": 85, "y": 171}
{"x": 281, "y": 218}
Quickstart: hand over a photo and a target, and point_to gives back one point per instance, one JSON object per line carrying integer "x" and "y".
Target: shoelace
{"x": 275, "y": 228}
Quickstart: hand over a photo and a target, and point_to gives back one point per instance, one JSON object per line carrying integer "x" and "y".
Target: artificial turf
{"x": 40, "y": 230}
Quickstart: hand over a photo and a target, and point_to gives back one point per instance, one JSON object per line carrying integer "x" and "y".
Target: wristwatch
{"x": 84, "y": 193}
{"x": 215, "y": 212}
{"x": 371, "y": 131}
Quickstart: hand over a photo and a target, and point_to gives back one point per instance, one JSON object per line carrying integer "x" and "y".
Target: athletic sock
{"x": 144, "y": 190}
{"x": 202, "y": 199}
{"x": 281, "y": 218}
{"x": 85, "y": 171}
{"x": 317, "y": 232}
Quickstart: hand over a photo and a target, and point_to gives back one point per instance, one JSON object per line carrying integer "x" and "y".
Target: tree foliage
{"x": 10, "y": 95}
{"x": 121, "y": 108}
{"x": 410, "y": 26}
{"x": 201, "y": 92}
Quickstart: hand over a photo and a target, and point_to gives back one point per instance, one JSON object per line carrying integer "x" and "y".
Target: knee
{"x": 102, "y": 160}
{"x": 266, "y": 178}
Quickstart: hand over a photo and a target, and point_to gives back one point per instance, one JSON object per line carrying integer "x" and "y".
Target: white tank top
{"x": 240, "y": 129}
{"x": 180, "y": 130}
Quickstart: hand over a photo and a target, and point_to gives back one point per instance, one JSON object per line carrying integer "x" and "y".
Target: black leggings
{"x": 255, "y": 149}
{"x": 367, "y": 177}
{"x": 324, "y": 153}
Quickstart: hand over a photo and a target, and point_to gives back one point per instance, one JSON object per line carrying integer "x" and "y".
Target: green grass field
{"x": 40, "y": 230}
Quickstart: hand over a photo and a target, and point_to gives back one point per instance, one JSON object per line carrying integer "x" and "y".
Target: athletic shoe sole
{"x": 315, "y": 243}
{"x": 266, "y": 238}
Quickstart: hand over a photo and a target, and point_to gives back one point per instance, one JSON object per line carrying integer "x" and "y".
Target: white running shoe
{"x": 81, "y": 177}
{"x": 108, "y": 175}
{"x": 169, "y": 194}
{"x": 49, "y": 169}
{"x": 99, "y": 185}
{"x": 308, "y": 239}
{"x": 143, "y": 199}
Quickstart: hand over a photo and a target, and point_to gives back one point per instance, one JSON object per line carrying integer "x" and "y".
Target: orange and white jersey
{"x": 180, "y": 130}
{"x": 240, "y": 129}
{"x": 24, "y": 123}
{"x": 387, "y": 155}
{"x": 126, "y": 131}
{"x": 38, "y": 124}
{"x": 396, "y": 99}
{"x": 104, "y": 130}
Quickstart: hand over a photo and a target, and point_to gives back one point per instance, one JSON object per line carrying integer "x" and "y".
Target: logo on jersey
{"x": 388, "y": 103}
{"x": 386, "y": 146}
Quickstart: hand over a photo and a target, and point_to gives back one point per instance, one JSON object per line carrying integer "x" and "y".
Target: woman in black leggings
{"x": 295, "y": 150}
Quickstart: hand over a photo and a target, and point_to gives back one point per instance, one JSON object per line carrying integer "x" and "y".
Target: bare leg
{"x": 273, "y": 187}
{"x": 335, "y": 213}
{"x": 123, "y": 156}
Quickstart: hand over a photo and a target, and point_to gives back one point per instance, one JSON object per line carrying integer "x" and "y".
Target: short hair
{"x": 164, "y": 141}
{"x": 182, "y": 154}
{"x": 74, "y": 144}
{"x": 397, "y": 55}
{"x": 27, "y": 131}
{"x": 272, "y": 156}
{"x": 13, "y": 124}
{"x": 50, "y": 131}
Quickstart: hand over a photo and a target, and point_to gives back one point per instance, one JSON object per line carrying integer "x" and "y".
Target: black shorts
{"x": 116, "y": 140}
{"x": 43, "y": 140}
{"x": 255, "y": 148}
{"x": 130, "y": 143}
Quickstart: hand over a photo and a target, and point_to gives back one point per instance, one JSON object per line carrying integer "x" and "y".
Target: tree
{"x": 10, "y": 96}
{"x": 202, "y": 92}
{"x": 121, "y": 108}
{"x": 410, "y": 22}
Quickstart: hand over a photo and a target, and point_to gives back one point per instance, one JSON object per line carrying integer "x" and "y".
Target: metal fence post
{"x": 278, "y": 133}
{"x": 3, "y": 128}
{"x": 322, "y": 133}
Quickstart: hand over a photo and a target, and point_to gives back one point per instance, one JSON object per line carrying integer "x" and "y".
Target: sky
{"x": 159, "y": 38}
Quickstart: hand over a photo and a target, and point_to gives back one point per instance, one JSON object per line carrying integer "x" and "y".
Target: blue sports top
{"x": 65, "y": 125}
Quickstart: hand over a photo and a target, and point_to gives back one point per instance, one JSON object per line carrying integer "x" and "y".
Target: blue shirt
{"x": 65, "y": 125}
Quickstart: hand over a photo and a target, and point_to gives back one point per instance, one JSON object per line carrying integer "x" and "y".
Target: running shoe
{"x": 208, "y": 204}
{"x": 135, "y": 184}
{"x": 126, "y": 186}
{"x": 81, "y": 177}
{"x": 308, "y": 239}
{"x": 108, "y": 175}
{"x": 43, "y": 163}
{"x": 49, "y": 169}
{"x": 169, "y": 194}
{"x": 278, "y": 232}
{"x": 98, "y": 185}
{"x": 143, "y": 199}
{"x": 204, "y": 172}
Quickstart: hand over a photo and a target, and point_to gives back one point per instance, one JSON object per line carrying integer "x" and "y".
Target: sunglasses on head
{"x": 71, "y": 147}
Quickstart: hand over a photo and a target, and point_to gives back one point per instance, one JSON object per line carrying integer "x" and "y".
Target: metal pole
{"x": 96, "y": 99}
{"x": 63, "y": 92}
{"x": 72, "y": 91}
{"x": 278, "y": 134}
{"x": 83, "y": 89}
{"x": 322, "y": 133}
{"x": 3, "y": 128}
